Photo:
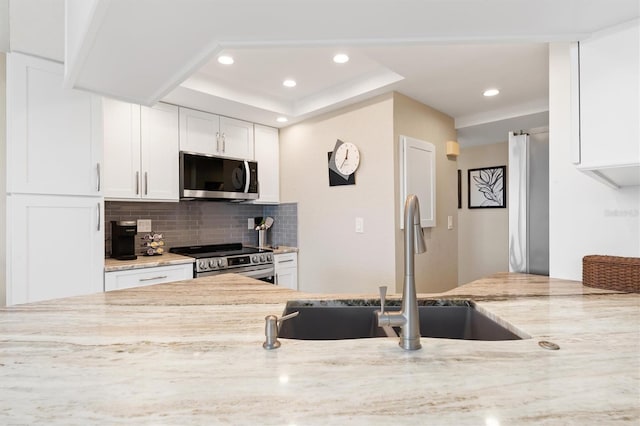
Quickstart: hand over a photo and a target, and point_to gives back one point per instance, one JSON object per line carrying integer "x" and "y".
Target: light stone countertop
{"x": 284, "y": 249}
{"x": 190, "y": 353}
{"x": 165, "y": 259}
{"x": 279, "y": 249}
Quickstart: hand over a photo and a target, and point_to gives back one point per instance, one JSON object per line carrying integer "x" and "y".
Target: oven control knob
{"x": 262, "y": 258}
{"x": 212, "y": 263}
{"x": 269, "y": 258}
{"x": 254, "y": 259}
{"x": 220, "y": 262}
{"x": 202, "y": 264}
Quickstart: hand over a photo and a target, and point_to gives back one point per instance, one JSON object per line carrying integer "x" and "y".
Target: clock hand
{"x": 345, "y": 158}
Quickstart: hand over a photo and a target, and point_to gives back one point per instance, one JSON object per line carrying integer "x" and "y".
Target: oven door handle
{"x": 258, "y": 273}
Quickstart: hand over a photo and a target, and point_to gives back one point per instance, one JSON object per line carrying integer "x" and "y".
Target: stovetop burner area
{"x": 217, "y": 250}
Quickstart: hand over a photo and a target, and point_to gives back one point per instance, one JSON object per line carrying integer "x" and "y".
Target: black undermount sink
{"x": 356, "y": 319}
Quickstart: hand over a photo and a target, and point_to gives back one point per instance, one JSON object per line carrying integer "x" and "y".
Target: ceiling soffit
{"x": 142, "y": 50}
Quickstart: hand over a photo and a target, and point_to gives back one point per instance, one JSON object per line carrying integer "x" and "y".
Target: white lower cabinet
{"x": 286, "y": 270}
{"x": 55, "y": 247}
{"x": 118, "y": 280}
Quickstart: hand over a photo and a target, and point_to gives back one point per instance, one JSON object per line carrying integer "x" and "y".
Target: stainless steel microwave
{"x": 217, "y": 178}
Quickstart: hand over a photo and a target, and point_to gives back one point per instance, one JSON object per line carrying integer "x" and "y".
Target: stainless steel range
{"x": 214, "y": 259}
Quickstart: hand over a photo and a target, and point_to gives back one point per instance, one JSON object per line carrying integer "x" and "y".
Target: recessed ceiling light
{"x": 341, "y": 58}
{"x": 289, "y": 83}
{"x": 282, "y": 119}
{"x": 491, "y": 92}
{"x": 225, "y": 60}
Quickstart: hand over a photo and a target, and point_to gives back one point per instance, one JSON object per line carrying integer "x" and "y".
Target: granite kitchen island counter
{"x": 191, "y": 353}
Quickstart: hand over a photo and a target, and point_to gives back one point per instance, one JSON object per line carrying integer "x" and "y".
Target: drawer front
{"x": 147, "y": 276}
{"x": 285, "y": 260}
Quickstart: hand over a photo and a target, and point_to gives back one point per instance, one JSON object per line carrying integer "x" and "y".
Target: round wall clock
{"x": 347, "y": 158}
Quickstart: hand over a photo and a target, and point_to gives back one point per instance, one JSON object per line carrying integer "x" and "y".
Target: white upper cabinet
{"x": 160, "y": 155}
{"x": 54, "y": 143}
{"x": 121, "y": 149}
{"x": 267, "y": 154}
{"x": 199, "y": 131}
{"x": 141, "y": 152}
{"x": 206, "y": 133}
{"x": 236, "y": 138}
{"x": 609, "y": 126}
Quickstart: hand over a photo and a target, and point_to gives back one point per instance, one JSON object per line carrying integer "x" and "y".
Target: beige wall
{"x": 436, "y": 270}
{"x": 3, "y": 168}
{"x": 333, "y": 257}
{"x": 483, "y": 234}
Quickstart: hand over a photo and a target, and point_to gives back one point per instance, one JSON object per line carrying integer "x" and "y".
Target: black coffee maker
{"x": 123, "y": 239}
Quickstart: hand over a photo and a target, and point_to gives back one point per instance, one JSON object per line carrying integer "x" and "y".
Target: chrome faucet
{"x": 408, "y": 317}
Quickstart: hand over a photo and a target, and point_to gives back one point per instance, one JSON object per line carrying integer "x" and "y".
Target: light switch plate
{"x": 144, "y": 225}
{"x": 250, "y": 223}
{"x": 449, "y": 222}
{"x": 359, "y": 225}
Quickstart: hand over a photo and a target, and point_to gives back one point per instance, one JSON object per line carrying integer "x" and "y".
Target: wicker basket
{"x": 612, "y": 273}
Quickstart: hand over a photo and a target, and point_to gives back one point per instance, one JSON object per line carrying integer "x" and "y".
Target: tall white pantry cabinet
{"x": 55, "y": 208}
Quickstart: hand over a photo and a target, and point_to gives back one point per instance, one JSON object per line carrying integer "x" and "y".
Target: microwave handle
{"x": 247, "y": 178}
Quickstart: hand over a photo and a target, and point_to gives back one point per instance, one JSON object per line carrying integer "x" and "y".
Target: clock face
{"x": 347, "y": 158}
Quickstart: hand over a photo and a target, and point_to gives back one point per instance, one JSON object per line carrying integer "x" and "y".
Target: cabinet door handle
{"x": 217, "y": 141}
{"x": 99, "y": 217}
{"x": 98, "y": 179}
{"x": 137, "y": 183}
{"x": 285, "y": 261}
{"x": 275, "y": 279}
{"x": 160, "y": 277}
{"x": 224, "y": 140}
{"x": 146, "y": 183}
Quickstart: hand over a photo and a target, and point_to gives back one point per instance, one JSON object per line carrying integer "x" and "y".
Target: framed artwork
{"x": 487, "y": 188}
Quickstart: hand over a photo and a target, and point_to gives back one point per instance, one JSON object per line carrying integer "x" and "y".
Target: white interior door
{"x": 418, "y": 177}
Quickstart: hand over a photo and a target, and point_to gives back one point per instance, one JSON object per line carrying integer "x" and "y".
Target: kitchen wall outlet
{"x": 359, "y": 225}
{"x": 144, "y": 225}
{"x": 250, "y": 223}
{"x": 449, "y": 222}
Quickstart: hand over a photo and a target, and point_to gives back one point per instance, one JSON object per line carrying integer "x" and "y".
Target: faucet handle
{"x": 383, "y": 297}
{"x": 288, "y": 316}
